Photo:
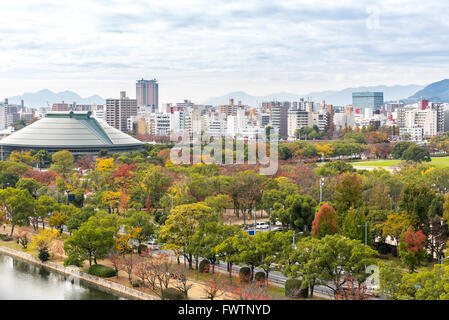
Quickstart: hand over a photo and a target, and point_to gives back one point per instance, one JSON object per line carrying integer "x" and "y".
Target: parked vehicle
{"x": 262, "y": 225}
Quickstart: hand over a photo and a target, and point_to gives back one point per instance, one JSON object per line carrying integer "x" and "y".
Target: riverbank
{"x": 74, "y": 273}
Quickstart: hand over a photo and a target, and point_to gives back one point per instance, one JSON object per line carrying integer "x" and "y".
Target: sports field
{"x": 438, "y": 162}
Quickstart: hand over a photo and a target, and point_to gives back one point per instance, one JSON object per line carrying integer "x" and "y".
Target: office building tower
{"x": 147, "y": 94}
{"x": 372, "y": 100}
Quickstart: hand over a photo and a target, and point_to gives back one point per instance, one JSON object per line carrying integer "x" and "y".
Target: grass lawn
{"x": 438, "y": 162}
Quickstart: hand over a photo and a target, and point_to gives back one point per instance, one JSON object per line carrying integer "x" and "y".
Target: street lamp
{"x": 366, "y": 232}
{"x": 321, "y": 189}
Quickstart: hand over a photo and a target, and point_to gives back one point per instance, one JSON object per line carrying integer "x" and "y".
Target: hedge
{"x": 100, "y": 270}
{"x": 204, "y": 266}
{"x": 259, "y": 276}
{"x": 295, "y": 289}
{"x": 172, "y": 294}
{"x": 244, "y": 274}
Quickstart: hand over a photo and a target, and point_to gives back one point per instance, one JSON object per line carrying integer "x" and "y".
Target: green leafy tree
{"x": 338, "y": 259}
{"x": 93, "y": 240}
{"x": 63, "y": 162}
{"x": 353, "y": 225}
{"x": 416, "y": 153}
{"x": 18, "y": 206}
{"x": 390, "y": 278}
{"x": 181, "y": 225}
{"x": 348, "y": 193}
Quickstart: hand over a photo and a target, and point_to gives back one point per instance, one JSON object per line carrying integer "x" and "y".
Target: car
{"x": 262, "y": 225}
{"x": 153, "y": 245}
{"x": 278, "y": 223}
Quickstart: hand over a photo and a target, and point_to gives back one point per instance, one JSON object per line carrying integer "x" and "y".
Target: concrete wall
{"x": 74, "y": 272}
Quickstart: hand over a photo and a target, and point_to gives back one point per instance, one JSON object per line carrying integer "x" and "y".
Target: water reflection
{"x": 24, "y": 281}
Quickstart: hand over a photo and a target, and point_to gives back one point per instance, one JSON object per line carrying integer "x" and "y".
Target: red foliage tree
{"x": 45, "y": 177}
{"x": 124, "y": 174}
{"x": 325, "y": 222}
{"x": 414, "y": 241}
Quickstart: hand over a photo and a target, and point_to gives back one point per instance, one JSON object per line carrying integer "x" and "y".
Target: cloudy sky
{"x": 203, "y": 48}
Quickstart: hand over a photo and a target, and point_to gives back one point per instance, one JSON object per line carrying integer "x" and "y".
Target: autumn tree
{"x": 411, "y": 249}
{"x": 63, "y": 162}
{"x": 325, "y": 222}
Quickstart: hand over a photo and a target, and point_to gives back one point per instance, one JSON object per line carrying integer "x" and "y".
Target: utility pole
{"x": 366, "y": 232}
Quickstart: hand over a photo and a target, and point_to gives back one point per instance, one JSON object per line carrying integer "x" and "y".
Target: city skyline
{"x": 200, "y": 49}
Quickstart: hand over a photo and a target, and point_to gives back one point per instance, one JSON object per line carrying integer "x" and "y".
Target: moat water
{"x": 21, "y": 280}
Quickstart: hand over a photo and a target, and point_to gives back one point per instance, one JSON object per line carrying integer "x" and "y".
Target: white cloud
{"x": 203, "y": 48}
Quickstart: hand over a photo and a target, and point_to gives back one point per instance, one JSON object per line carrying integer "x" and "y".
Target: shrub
{"x": 294, "y": 289}
{"x": 44, "y": 255}
{"x": 172, "y": 294}
{"x": 136, "y": 283}
{"x": 100, "y": 270}
{"x": 5, "y": 237}
{"x": 204, "y": 266}
{"x": 260, "y": 277}
{"x": 245, "y": 274}
{"x": 72, "y": 260}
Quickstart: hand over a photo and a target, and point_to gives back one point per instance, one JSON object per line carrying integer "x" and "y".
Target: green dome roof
{"x": 69, "y": 130}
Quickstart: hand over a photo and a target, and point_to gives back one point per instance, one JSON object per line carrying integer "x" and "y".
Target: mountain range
{"x": 339, "y": 98}
{"x": 44, "y": 97}
{"x": 435, "y": 92}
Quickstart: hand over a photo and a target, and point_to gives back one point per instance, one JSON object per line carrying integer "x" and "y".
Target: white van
{"x": 262, "y": 225}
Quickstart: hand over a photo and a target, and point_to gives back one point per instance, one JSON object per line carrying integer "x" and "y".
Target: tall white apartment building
{"x": 298, "y": 119}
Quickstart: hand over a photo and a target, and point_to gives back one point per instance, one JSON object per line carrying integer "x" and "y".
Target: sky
{"x": 199, "y": 49}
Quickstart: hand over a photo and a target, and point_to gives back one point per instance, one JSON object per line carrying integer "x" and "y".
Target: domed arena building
{"x": 76, "y": 132}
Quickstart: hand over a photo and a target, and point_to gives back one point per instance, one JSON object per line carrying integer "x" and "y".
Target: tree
{"x": 227, "y": 250}
{"x": 399, "y": 149}
{"x": 63, "y": 162}
{"x": 338, "y": 259}
{"x": 299, "y": 263}
{"x": 44, "y": 239}
{"x": 416, "y": 153}
{"x": 23, "y": 156}
{"x": 411, "y": 249}
{"x": 396, "y": 225}
{"x": 416, "y": 200}
{"x": 348, "y": 193}
{"x": 45, "y": 206}
{"x": 325, "y": 222}
{"x": 353, "y": 225}
{"x": 298, "y": 213}
{"x": 390, "y": 278}
{"x": 181, "y": 225}
{"x": 29, "y": 184}
{"x": 427, "y": 284}
{"x": 17, "y": 205}
{"x": 140, "y": 219}
{"x": 93, "y": 240}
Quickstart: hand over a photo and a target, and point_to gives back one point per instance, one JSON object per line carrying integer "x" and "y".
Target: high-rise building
{"x": 117, "y": 111}
{"x": 298, "y": 119}
{"x": 279, "y": 116}
{"x": 147, "y": 94}
{"x": 373, "y": 100}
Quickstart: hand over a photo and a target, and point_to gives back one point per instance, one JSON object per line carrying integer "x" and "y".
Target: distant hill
{"x": 40, "y": 98}
{"x": 339, "y": 98}
{"x": 435, "y": 92}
